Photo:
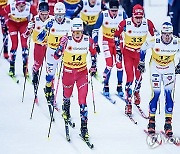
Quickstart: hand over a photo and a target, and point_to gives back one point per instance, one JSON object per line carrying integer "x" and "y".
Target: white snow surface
{"x": 110, "y": 130}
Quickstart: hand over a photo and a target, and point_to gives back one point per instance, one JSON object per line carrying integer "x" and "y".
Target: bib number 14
{"x": 76, "y": 57}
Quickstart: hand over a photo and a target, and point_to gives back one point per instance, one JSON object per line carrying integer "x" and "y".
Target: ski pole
{"x": 159, "y": 106}
{"x": 35, "y": 92}
{"x": 52, "y": 114}
{"x": 24, "y": 87}
{"x": 3, "y": 44}
{"x": 93, "y": 94}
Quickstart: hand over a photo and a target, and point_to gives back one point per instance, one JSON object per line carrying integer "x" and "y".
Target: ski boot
{"x": 128, "y": 109}
{"x": 119, "y": 90}
{"x": 137, "y": 98}
{"x": 106, "y": 90}
{"x": 84, "y": 131}
{"x": 128, "y": 100}
{"x": 49, "y": 93}
{"x": 168, "y": 127}
{"x": 151, "y": 125}
{"x": 12, "y": 70}
{"x": 66, "y": 109}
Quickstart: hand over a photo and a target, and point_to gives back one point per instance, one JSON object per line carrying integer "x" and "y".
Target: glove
{"x": 58, "y": 53}
{"x": 97, "y": 48}
{"x": 177, "y": 69}
{"x": 117, "y": 42}
{"x": 27, "y": 33}
{"x": 42, "y": 36}
{"x": 49, "y": 24}
{"x": 118, "y": 56}
{"x": 141, "y": 66}
{"x": 93, "y": 68}
{"x": 30, "y": 25}
{"x": 63, "y": 41}
{"x": 62, "y": 45}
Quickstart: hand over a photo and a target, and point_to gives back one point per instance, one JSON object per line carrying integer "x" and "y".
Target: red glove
{"x": 63, "y": 41}
{"x": 62, "y": 45}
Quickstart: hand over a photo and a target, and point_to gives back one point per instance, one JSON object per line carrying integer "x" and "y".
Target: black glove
{"x": 118, "y": 56}
{"x": 93, "y": 68}
{"x": 97, "y": 48}
{"x": 177, "y": 69}
{"x": 141, "y": 66}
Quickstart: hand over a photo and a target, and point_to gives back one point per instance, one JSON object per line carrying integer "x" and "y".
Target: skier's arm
{"x": 103, "y": 6}
{"x": 45, "y": 30}
{"x": 177, "y": 68}
{"x": 146, "y": 45}
{"x": 151, "y": 27}
{"x": 61, "y": 47}
{"x": 33, "y": 10}
{"x": 124, "y": 15}
{"x": 4, "y": 11}
{"x": 118, "y": 36}
{"x": 93, "y": 52}
{"x": 95, "y": 31}
{"x": 78, "y": 9}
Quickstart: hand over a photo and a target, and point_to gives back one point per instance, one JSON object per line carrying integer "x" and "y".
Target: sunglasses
{"x": 114, "y": 10}
{"x": 165, "y": 33}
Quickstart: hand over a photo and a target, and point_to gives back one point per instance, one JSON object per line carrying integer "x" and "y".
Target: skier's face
{"x": 21, "y": 7}
{"x": 92, "y": 2}
{"x": 166, "y": 37}
{"x": 137, "y": 20}
{"x": 59, "y": 17}
{"x": 77, "y": 35}
{"x": 43, "y": 15}
{"x": 113, "y": 13}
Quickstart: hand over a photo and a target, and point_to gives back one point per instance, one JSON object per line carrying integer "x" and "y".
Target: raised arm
{"x": 78, "y": 9}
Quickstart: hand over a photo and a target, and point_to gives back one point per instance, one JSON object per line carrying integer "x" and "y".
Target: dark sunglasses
{"x": 114, "y": 10}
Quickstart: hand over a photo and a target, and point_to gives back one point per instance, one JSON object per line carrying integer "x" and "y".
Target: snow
{"x": 110, "y": 130}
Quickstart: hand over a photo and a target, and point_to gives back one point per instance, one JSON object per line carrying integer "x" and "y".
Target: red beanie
{"x": 138, "y": 11}
{"x": 20, "y": 1}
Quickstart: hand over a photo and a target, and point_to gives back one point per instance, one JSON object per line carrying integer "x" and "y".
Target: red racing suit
{"x": 4, "y": 30}
{"x": 75, "y": 67}
{"x": 17, "y": 22}
{"x": 133, "y": 38}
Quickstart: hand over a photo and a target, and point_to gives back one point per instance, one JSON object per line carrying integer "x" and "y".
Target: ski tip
{"x": 48, "y": 138}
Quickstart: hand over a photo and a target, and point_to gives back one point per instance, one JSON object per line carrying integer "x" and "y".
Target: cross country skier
{"x": 36, "y": 26}
{"x": 134, "y": 30}
{"x": 89, "y": 11}
{"x": 109, "y": 21}
{"x": 74, "y": 49}
{"x": 162, "y": 69}
{"x": 19, "y": 13}
{"x": 54, "y": 29}
{"x": 4, "y": 30}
